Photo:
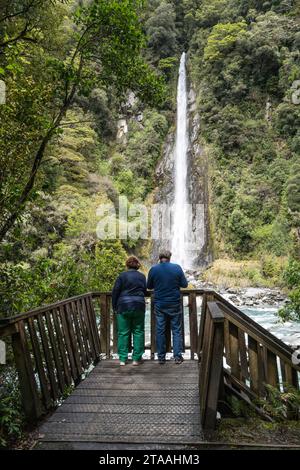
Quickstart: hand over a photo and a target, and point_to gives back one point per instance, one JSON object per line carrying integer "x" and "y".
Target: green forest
{"x": 74, "y": 69}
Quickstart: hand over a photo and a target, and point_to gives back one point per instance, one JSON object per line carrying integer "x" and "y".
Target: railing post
{"x": 193, "y": 324}
{"x": 152, "y": 327}
{"x": 211, "y": 366}
{"x": 104, "y": 325}
{"x": 206, "y": 298}
{"x": 30, "y": 399}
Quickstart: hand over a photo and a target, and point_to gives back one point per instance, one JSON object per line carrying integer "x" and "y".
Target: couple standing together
{"x": 128, "y": 301}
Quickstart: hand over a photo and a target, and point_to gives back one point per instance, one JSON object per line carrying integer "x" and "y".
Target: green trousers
{"x": 130, "y": 323}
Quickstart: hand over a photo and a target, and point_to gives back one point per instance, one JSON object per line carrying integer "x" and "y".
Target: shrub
{"x": 281, "y": 405}
{"x": 222, "y": 39}
{"x": 240, "y": 231}
{"x": 291, "y": 311}
{"x": 291, "y": 275}
{"x": 288, "y": 119}
{"x": 272, "y": 238}
{"x": 271, "y": 267}
{"x": 11, "y": 416}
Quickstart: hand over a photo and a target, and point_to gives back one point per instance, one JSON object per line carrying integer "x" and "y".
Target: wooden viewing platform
{"x": 66, "y": 350}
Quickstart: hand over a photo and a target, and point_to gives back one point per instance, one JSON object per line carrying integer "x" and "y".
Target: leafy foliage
{"x": 69, "y": 67}
{"x": 280, "y": 405}
{"x": 243, "y": 64}
{"x": 11, "y": 416}
{"x": 291, "y": 311}
{"x": 222, "y": 39}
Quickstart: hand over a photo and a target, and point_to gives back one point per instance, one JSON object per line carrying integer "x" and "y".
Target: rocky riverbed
{"x": 261, "y": 304}
{"x": 249, "y": 297}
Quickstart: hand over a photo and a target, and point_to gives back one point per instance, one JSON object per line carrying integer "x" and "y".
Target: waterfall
{"x": 180, "y": 226}
{"x": 180, "y": 209}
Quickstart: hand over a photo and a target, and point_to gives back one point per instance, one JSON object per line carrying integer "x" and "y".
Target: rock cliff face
{"x": 198, "y": 181}
{"x": 198, "y": 185}
{"x": 164, "y": 193}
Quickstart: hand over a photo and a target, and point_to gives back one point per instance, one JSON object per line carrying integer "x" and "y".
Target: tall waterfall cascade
{"x": 180, "y": 211}
{"x": 182, "y": 219}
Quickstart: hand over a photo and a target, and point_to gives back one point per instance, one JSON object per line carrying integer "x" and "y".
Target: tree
{"x": 161, "y": 32}
{"x": 222, "y": 39}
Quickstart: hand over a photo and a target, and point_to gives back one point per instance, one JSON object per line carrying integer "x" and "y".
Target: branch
{"x": 21, "y": 36}
{"x": 66, "y": 124}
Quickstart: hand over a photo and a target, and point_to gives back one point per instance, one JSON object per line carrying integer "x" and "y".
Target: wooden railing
{"x": 55, "y": 346}
{"x": 252, "y": 358}
{"x": 108, "y": 327}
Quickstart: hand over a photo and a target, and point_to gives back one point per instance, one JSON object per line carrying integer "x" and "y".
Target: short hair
{"x": 165, "y": 254}
{"x": 133, "y": 263}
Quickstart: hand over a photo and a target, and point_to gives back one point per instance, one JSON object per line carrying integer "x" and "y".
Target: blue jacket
{"x": 166, "y": 279}
{"x": 129, "y": 292}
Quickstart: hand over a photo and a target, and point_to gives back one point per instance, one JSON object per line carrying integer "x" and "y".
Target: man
{"x": 166, "y": 279}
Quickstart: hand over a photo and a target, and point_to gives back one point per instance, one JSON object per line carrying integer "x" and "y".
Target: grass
{"x": 254, "y": 430}
{"x": 266, "y": 272}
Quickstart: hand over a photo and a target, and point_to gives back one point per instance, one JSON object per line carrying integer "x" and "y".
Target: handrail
{"x": 255, "y": 327}
{"x": 21, "y": 316}
{"x": 45, "y": 308}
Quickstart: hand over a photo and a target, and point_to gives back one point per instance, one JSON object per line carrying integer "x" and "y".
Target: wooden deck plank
{"x": 117, "y": 429}
{"x": 95, "y": 438}
{"x": 179, "y": 418}
{"x": 129, "y": 409}
{"x": 112, "y": 445}
{"x": 141, "y": 400}
{"x": 98, "y": 392}
{"x": 139, "y": 386}
{"x": 146, "y": 379}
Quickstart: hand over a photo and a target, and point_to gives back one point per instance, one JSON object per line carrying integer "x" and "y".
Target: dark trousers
{"x": 173, "y": 312}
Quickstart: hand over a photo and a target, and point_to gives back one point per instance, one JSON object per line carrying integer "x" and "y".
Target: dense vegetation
{"x": 90, "y": 100}
{"x": 59, "y": 155}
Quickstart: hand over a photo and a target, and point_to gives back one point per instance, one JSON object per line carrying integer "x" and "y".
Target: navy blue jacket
{"x": 166, "y": 279}
{"x": 129, "y": 292}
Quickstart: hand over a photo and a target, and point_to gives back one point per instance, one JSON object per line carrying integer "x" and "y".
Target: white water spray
{"x": 181, "y": 218}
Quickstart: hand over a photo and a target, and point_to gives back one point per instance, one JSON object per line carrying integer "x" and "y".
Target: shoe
{"x": 137, "y": 363}
{"x": 178, "y": 360}
{"x": 122, "y": 363}
{"x": 161, "y": 361}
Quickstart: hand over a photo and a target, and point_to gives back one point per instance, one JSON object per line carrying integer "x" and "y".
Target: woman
{"x": 128, "y": 301}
